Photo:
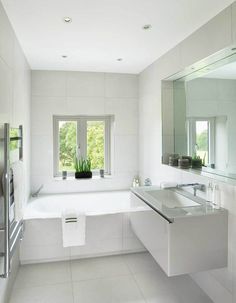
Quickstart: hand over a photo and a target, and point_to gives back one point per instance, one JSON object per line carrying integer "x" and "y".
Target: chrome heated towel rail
{"x": 10, "y": 230}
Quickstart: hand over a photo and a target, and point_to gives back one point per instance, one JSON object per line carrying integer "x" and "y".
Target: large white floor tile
{"x": 186, "y": 289}
{"x": 141, "y": 262}
{"x": 43, "y": 274}
{"x": 60, "y": 293}
{"x": 98, "y": 268}
{"x": 134, "y": 278}
{"x": 157, "y": 287}
{"x": 110, "y": 290}
{"x": 153, "y": 282}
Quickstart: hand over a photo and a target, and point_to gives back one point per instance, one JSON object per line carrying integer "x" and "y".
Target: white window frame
{"x": 191, "y": 129}
{"x": 82, "y": 140}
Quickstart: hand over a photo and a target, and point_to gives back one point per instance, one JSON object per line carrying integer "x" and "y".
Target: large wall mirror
{"x": 199, "y": 117}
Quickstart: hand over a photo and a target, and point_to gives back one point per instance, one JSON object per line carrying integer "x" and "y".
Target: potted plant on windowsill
{"x": 83, "y": 168}
{"x": 196, "y": 162}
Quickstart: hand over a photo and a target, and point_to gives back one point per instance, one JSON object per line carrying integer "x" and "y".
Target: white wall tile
{"x": 42, "y": 155}
{"x": 198, "y": 46}
{"x": 121, "y": 86}
{"x": 84, "y": 84}
{"x": 50, "y": 228}
{"x": 6, "y": 89}
{"x": 126, "y": 153}
{"x": 42, "y": 111}
{"x": 48, "y": 83}
{"x": 233, "y": 22}
{"x": 7, "y": 39}
{"x": 125, "y": 121}
{"x": 86, "y": 105}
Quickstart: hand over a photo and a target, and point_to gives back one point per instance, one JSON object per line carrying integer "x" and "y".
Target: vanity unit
{"x": 184, "y": 233}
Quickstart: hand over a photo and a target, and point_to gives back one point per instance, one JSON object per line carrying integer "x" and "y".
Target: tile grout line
{"x": 102, "y": 278}
{"x": 140, "y": 290}
{"x": 135, "y": 281}
{"x": 72, "y": 282}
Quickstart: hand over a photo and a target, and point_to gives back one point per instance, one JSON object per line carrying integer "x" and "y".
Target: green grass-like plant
{"x": 82, "y": 165}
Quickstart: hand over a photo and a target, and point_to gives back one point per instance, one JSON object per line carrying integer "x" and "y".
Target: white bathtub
{"x": 92, "y": 204}
{"x": 108, "y": 229}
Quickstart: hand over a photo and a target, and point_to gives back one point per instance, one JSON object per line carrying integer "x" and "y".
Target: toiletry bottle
{"x": 209, "y": 197}
{"x": 216, "y": 197}
{"x": 136, "y": 182}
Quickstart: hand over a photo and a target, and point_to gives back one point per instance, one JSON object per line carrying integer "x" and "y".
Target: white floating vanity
{"x": 184, "y": 233}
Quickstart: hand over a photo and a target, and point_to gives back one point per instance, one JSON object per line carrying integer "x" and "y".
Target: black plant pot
{"x": 83, "y": 175}
{"x": 196, "y": 163}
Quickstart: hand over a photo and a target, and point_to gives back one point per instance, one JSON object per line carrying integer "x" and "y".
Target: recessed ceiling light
{"x": 119, "y": 59}
{"x": 147, "y": 27}
{"x": 67, "y": 19}
{"x": 64, "y": 56}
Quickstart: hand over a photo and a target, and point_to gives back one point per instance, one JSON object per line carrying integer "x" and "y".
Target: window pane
{"x": 67, "y": 145}
{"x": 202, "y": 140}
{"x": 96, "y": 143}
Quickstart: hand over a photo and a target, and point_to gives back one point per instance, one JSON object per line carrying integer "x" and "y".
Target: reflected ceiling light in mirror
{"x": 147, "y": 27}
{"x": 67, "y": 19}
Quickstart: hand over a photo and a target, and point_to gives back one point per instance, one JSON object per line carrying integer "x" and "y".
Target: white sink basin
{"x": 171, "y": 199}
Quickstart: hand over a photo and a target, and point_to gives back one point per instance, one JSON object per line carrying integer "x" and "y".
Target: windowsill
{"x": 94, "y": 178}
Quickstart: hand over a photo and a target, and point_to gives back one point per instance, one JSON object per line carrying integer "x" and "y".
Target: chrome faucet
{"x": 195, "y": 186}
{"x": 36, "y": 193}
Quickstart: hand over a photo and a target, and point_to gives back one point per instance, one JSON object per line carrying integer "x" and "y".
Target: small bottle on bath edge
{"x": 216, "y": 197}
{"x": 209, "y": 197}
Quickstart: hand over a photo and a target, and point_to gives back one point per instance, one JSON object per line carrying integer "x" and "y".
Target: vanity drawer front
{"x": 152, "y": 229}
{"x": 189, "y": 244}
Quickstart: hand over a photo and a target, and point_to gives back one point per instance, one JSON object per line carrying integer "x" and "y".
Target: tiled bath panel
{"x": 128, "y": 278}
{"x": 105, "y": 234}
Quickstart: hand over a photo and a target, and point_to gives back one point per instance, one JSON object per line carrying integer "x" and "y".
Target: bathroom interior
{"x": 118, "y": 151}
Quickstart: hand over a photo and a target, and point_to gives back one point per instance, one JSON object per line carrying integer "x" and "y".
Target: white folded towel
{"x": 73, "y": 228}
{"x": 168, "y": 184}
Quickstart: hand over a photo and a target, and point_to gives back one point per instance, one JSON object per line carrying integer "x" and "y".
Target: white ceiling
{"x": 104, "y": 30}
{"x": 225, "y": 72}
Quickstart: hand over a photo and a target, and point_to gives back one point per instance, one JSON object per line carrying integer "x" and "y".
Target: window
{"x": 88, "y": 137}
{"x": 201, "y": 139}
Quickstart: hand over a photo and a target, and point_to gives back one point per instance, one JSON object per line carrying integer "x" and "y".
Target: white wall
{"x": 217, "y": 34}
{"x": 14, "y": 107}
{"x": 83, "y": 93}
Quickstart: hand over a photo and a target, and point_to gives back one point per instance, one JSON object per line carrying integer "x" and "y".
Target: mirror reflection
{"x": 204, "y": 120}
